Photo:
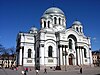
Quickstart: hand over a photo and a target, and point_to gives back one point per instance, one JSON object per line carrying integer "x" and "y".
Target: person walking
{"x": 25, "y": 72}
{"x": 54, "y": 68}
{"x": 26, "y": 69}
{"x": 45, "y": 70}
{"x": 81, "y": 70}
{"x": 22, "y": 72}
{"x": 37, "y": 72}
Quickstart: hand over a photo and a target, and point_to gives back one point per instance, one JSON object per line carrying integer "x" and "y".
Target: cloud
{"x": 94, "y": 38}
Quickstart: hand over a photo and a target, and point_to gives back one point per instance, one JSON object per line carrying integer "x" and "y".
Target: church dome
{"x": 46, "y": 16}
{"x": 77, "y": 22}
{"x": 54, "y": 10}
{"x": 34, "y": 29}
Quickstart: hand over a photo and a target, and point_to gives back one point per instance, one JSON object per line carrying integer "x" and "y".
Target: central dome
{"x": 54, "y": 10}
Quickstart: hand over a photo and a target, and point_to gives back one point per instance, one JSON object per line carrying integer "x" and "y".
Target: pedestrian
{"x": 45, "y": 70}
{"x": 37, "y": 72}
{"x": 54, "y": 68}
{"x": 22, "y": 72}
{"x": 26, "y": 69}
{"x": 81, "y": 70}
{"x": 25, "y": 72}
{"x": 16, "y": 68}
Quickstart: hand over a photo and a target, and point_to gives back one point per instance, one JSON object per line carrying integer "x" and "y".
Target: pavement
{"x": 86, "y": 71}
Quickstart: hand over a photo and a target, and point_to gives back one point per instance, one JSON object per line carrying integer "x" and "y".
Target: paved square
{"x": 89, "y": 71}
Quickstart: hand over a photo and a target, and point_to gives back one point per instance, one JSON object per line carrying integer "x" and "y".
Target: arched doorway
{"x": 71, "y": 59}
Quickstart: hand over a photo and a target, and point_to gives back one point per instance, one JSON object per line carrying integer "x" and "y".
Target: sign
{"x": 50, "y": 60}
{"x": 29, "y": 61}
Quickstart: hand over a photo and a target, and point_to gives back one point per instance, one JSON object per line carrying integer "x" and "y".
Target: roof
{"x": 54, "y": 10}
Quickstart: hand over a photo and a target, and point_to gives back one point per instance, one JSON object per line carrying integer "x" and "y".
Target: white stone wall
{"x": 54, "y": 35}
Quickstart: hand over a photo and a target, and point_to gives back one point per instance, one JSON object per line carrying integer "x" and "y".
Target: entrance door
{"x": 70, "y": 61}
{"x": 71, "y": 57}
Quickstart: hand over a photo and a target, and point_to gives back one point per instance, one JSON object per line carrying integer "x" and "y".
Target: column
{"x": 61, "y": 62}
{"x": 20, "y": 57}
{"x": 65, "y": 56}
{"x": 41, "y": 55}
{"x": 81, "y": 55}
{"x": 90, "y": 57}
{"x": 75, "y": 61}
{"x": 62, "y": 56}
{"x": 78, "y": 56}
{"x": 57, "y": 55}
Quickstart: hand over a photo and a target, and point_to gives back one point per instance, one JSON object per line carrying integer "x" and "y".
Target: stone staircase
{"x": 70, "y": 68}
{"x": 75, "y": 67}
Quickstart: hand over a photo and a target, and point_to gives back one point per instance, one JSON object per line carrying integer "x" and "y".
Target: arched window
{"x": 50, "y": 51}
{"x": 80, "y": 29}
{"x": 44, "y": 24}
{"x": 77, "y": 29}
{"x": 70, "y": 44}
{"x": 29, "y": 53}
{"x": 48, "y": 24}
{"x": 59, "y": 20}
{"x": 85, "y": 53}
{"x": 55, "y": 20}
{"x": 63, "y": 21}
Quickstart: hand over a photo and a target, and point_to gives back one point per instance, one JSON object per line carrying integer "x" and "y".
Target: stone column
{"x": 65, "y": 56}
{"x": 41, "y": 54}
{"x": 90, "y": 57}
{"x": 20, "y": 56}
{"x": 81, "y": 55}
{"x": 61, "y": 61}
{"x": 62, "y": 55}
{"x": 78, "y": 56}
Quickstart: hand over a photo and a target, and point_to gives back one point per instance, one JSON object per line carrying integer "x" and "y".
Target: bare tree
{"x": 12, "y": 52}
{"x": 4, "y": 54}
{"x": 1, "y": 49}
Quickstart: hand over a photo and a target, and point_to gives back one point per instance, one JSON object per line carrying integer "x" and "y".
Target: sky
{"x": 21, "y": 15}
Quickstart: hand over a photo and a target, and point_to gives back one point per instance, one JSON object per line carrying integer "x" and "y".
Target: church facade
{"x": 54, "y": 44}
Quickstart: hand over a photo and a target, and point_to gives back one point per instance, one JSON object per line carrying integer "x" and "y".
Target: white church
{"x": 54, "y": 44}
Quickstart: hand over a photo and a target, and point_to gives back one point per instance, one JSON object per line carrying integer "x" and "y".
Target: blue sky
{"x": 21, "y": 15}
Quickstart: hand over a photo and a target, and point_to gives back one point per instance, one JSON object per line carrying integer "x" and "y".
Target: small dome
{"x": 54, "y": 10}
{"x": 34, "y": 29}
{"x": 77, "y": 22}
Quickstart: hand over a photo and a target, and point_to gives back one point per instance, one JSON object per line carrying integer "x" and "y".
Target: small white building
{"x": 53, "y": 44}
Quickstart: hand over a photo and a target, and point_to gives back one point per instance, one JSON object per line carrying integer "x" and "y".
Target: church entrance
{"x": 71, "y": 59}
